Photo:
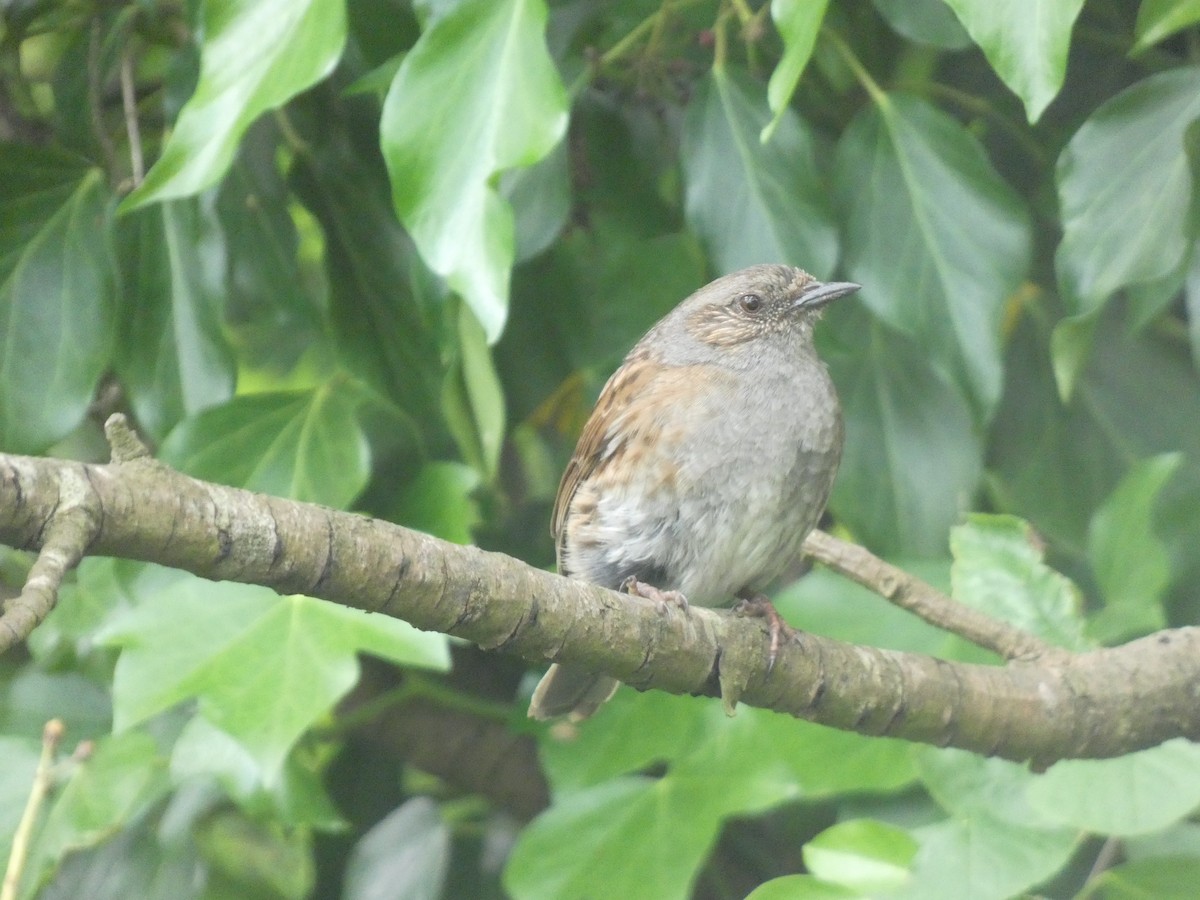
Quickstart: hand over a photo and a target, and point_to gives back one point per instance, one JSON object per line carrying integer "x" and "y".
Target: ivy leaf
{"x": 752, "y": 202}
{"x": 1026, "y": 44}
{"x": 238, "y": 648}
{"x": 303, "y": 445}
{"x": 998, "y": 569}
{"x": 1157, "y": 20}
{"x": 799, "y": 23}
{"x": 476, "y": 95}
{"x": 57, "y": 294}
{"x": 257, "y": 55}
{"x": 177, "y": 360}
{"x": 1138, "y": 793}
{"x": 1130, "y": 562}
{"x": 913, "y": 456}
{"x": 935, "y": 237}
{"x": 1125, "y": 188}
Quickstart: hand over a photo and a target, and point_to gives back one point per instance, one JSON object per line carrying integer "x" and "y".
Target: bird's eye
{"x": 750, "y": 302}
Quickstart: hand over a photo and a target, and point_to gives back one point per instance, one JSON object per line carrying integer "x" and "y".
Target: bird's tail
{"x": 570, "y": 692}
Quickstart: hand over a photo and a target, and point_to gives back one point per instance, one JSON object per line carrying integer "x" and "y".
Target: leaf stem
{"x": 43, "y": 779}
{"x": 870, "y": 85}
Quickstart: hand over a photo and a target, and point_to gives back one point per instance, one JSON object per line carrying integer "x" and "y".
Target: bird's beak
{"x": 817, "y": 294}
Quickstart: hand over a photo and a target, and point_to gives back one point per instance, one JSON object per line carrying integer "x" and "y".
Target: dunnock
{"x": 707, "y": 460}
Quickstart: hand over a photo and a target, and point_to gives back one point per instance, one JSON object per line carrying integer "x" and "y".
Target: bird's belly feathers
{"x": 730, "y": 519}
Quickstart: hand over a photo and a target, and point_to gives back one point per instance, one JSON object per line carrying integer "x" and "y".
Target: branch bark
{"x": 1037, "y": 707}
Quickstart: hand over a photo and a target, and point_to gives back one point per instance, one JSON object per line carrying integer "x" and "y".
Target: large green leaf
{"x": 175, "y": 360}
{"x": 1138, "y": 793}
{"x": 1159, "y": 19}
{"x": 912, "y": 458}
{"x": 925, "y": 21}
{"x": 995, "y": 844}
{"x": 57, "y": 310}
{"x": 1127, "y": 557}
{"x": 998, "y": 569}
{"x": 257, "y": 54}
{"x": 1055, "y": 463}
{"x": 122, "y": 777}
{"x": 936, "y": 238}
{"x": 1125, "y": 188}
{"x": 240, "y": 648}
{"x": 1026, "y": 43}
{"x": 752, "y": 202}
{"x": 476, "y": 95}
{"x": 406, "y": 854}
{"x": 305, "y": 445}
{"x": 385, "y": 306}
{"x": 870, "y": 856}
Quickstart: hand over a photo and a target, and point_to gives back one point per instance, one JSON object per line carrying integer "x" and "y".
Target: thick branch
{"x": 1097, "y": 704}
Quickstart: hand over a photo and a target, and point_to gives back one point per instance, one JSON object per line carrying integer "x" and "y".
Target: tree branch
{"x": 1098, "y": 704}
{"x": 923, "y": 600}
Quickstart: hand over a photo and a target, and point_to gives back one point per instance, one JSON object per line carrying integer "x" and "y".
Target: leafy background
{"x": 380, "y": 255}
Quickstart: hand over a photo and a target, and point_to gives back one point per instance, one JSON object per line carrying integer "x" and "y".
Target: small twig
{"x": 129, "y": 103}
{"x": 1109, "y": 851}
{"x": 68, "y": 535}
{"x": 43, "y": 780}
{"x": 923, "y": 600}
{"x": 124, "y": 443}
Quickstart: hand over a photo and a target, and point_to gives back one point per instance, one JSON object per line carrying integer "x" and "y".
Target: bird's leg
{"x": 759, "y": 606}
{"x": 631, "y": 585}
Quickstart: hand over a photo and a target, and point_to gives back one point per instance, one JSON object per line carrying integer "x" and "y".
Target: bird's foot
{"x": 631, "y": 585}
{"x": 760, "y": 607}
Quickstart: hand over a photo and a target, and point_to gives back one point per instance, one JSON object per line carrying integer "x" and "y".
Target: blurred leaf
{"x": 132, "y": 863}
{"x": 801, "y": 887}
{"x": 1158, "y": 878}
{"x": 912, "y": 458}
{"x": 631, "y": 837}
{"x": 274, "y": 293}
{"x": 799, "y": 22}
{"x": 204, "y": 753}
{"x": 1138, "y": 793}
{"x": 1125, "y": 188}
{"x": 970, "y": 786}
{"x": 926, "y": 22}
{"x": 79, "y": 702}
{"x": 631, "y": 732}
{"x": 752, "y": 202}
{"x": 118, "y": 782}
{"x": 238, "y": 648}
{"x": 303, "y": 446}
{"x": 1056, "y": 463}
{"x": 386, "y": 308}
{"x": 998, "y": 569}
{"x": 1027, "y": 48}
{"x": 257, "y": 55}
{"x": 1159, "y": 19}
{"x": 57, "y": 294}
{"x": 472, "y": 398}
{"x": 937, "y": 240}
{"x": 541, "y": 201}
{"x": 439, "y": 502}
{"x": 257, "y": 860}
{"x": 869, "y": 856}
{"x": 407, "y": 854}
{"x": 476, "y": 95}
{"x": 984, "y": 859}
{"x": 176, "y": 361}
{"x": 1130, "y": 562}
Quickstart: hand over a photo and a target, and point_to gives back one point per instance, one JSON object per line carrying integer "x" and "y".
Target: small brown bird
{"x": 707, "y": 460}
